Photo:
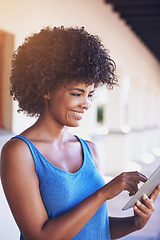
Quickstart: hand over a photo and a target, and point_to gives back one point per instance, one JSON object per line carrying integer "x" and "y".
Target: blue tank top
{"x": 61, "y": 190}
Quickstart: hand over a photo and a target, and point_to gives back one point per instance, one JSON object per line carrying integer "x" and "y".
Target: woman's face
{"x": 69, "y": 103}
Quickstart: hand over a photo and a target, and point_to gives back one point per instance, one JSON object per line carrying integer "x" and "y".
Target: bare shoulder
{"x": 14, "y": 151}
{"x": 13, "y": 144}
{"x": 15, "y": 156}
{"x": 94, "y": 152}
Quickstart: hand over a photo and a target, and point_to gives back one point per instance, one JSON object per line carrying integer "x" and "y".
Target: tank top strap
{"x": 41, "y": 162}
{"x": 85, "y": 147}
{"x": 31, "y": 146}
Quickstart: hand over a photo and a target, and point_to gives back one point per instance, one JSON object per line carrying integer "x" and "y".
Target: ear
{"x": 46, "y": 96}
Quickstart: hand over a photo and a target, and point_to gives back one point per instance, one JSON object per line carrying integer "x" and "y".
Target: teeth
{"x": 77, "y": 113}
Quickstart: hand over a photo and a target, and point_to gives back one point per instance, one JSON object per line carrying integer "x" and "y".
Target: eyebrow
{"x": 81, "y": 90}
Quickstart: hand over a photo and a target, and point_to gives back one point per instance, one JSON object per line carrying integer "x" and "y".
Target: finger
{"x": 147, "y": 212}
{"x": 148, "y": 202}
{"x": 130, "y": 180}
{"x": 131, "y": 187}
{"x": 139, "y": 212}
{"x": 137, "y": 176}
{"x": 155, "y": 193}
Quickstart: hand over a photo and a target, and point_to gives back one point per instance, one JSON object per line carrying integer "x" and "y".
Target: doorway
{"x": 6, "y": 53}
{"x": 2, "y": 59}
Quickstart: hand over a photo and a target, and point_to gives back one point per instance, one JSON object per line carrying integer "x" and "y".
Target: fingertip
{"x": 145, "y": 196}
{"x": 144, "y": 179}
{"x": 138, "y": 203}
{"x": 134, "y": 207}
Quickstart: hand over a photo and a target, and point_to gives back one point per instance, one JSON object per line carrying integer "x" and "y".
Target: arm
{"x": 21, "y": 187}
{"x": 120, "y": 227}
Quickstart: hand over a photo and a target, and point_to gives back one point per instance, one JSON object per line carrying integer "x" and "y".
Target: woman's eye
{"x": 76, "y": 94}
{"x": 90, "y": 97}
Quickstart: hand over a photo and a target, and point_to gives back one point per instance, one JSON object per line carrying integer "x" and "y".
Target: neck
{"x": 51, "y": 128}
{"x": 46, "y": 129}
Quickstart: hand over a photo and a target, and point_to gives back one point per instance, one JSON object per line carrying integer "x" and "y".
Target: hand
{"x": 143, "y": 211}
{"x": 125, "y": 181}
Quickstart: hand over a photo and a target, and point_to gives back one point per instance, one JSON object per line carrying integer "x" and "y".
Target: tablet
{"x": 147, "y": 188}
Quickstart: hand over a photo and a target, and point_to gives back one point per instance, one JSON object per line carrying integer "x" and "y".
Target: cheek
{"x": 70, "y": 103}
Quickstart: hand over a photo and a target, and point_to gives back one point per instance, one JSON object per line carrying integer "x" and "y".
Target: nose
{"x": 86, "y": 103}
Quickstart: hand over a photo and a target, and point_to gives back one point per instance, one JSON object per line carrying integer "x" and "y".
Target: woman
{"x": 49, "y": 176}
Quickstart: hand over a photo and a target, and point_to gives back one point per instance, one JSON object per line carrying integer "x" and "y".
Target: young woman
{"x": 49, "y": 176}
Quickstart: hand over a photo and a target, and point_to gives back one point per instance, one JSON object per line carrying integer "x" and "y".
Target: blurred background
{"x": 123, "y": 122}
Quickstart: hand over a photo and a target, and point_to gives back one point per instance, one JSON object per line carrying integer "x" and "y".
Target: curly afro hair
{"x": 54, "y": 57}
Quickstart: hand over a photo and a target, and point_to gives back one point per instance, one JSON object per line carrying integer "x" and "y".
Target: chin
{"x": 77, "y": 124}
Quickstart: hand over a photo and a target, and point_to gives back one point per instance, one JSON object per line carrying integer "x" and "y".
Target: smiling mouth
{"x": 77, "y": 114}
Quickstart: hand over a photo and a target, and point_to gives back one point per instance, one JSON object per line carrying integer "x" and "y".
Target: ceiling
{"x": 143, "y": 16}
